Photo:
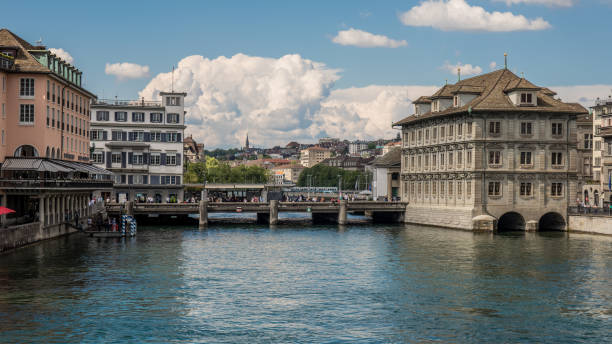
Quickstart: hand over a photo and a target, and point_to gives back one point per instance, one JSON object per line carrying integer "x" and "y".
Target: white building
{"x": 141, "y": 142}
{"x": 356, "y": 147}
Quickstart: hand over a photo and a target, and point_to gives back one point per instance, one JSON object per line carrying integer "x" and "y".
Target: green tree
{"x": 327, "y": 176}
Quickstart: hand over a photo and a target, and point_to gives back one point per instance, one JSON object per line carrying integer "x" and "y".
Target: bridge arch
{"x": 551, "y": 222}
{"x": 511, "y": 221}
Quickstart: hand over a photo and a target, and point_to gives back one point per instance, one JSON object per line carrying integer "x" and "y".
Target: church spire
{"x": 246, "y": 144}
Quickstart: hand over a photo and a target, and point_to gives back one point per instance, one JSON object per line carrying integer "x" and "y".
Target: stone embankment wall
{"x": 17, "y": 236}
{"x": 590, "y": 224}
{"x": 440, "y": 217}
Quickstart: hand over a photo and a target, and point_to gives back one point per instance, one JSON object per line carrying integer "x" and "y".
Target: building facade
{"x": 313, "y": 155}
{"x": 386, "y": 171}
{"x": 349, "y": 163}
{"x": 602, "y": 153}
{"x": 287, "y": 173}
{"x": 490, "y": 152}
{"x": 356, "y": 147}
{"x": 141, "y": 142}
{"x": 193, "y": 151}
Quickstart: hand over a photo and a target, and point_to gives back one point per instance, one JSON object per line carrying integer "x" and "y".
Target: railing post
{"x": 203, "y": 208}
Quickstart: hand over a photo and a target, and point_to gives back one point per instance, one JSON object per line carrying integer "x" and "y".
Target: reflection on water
{"x": 309, "y": 284}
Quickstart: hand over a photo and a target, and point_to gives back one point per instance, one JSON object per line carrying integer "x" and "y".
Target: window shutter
{"x": 145, "y": 179}
{"x": 163, "y": 137}
{"x": 145, "y": 158}
{"x": 178, "y": 137}
{"x": 178, "y": 159}
{"x": 123, "y": 179}
{"x": 130, "y": 179}
{"x": 163, "y": 180}
{"x": 108, "y": 159}
{"x": 178, "y": 180}
{"x": 147, "y": 136}
{"x": 163, "y": 159}
{"x": 116, "y": 117}
{"x": 130, "y": 136}
{"x": 114, "y": 136}
{"x": 105, "y": 135}
{"x": 130, "y": 157}
{"x": 123, "y": 159}
{"x": 133, "y": 117}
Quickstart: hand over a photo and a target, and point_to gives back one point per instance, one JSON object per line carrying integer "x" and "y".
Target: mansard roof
{"x": 493, "y": 97}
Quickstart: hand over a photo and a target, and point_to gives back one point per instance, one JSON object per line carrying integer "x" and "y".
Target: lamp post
{"x": 339, "y": 187}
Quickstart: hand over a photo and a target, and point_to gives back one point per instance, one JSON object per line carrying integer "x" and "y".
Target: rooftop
{"x": 492, "y": 95}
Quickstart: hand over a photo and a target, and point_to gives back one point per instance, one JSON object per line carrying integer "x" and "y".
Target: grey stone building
{"x": 600, "y": 191}
{"x": 490, "y": 152}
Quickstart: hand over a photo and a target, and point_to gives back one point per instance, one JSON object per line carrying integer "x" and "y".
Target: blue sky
{"x": 571, "y": 49}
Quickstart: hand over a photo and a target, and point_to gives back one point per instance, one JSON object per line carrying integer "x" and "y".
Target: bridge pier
{"x": 203, "y": 209}
{"x": 129, "y": 208}
{"x": 273, "y": 212}
{"x": 342, "y": 217}
{"x": 263, "y": 218}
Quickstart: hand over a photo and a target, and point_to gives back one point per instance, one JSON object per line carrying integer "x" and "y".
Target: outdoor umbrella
{"x": 5, "y": 210}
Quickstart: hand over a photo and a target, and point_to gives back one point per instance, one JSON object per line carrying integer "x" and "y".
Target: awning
{"x": 27, "y": 164}
{"x": 84, "y": 168}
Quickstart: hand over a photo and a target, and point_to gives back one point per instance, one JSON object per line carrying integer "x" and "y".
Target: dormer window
{"x": 526, "y": 98}
{"x": 436, "y": 106}
{"x": 456, "y": 101}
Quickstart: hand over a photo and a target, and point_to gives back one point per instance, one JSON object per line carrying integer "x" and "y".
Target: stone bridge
{"x": 267, "y": 212}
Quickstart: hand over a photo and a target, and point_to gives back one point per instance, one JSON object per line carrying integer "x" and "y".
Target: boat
{"x": 128, "y": 228}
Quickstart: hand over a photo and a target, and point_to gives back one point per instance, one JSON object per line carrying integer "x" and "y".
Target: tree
{"x": 327, "y": 176}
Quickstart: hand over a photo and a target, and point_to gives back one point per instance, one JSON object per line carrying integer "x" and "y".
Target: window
{"x": 459, "y": 158}
{"x": 427, "y": 134}
{"x": 450, "y": 159}
{"x": 173, "y": 101}
{"x": 495, "y": 128}
{"x": 419, "y": 162}
{"x": 556, "y": 158}
{"x": 426, "y": 161}
{"x": 97, "y": 135}
{"x": 441, "y": 132}
{"x": 588, "y": 141}
{"x": 3, "y": 110}
{"x": 97, "y": 157}
{"x": 442, "y": 183}
{"x": 494, "y": 158}
{"x": 456, "y": 101}
{"x": 412, "y": 136}
{"x": 26, "y": 87}
{"x": 468, "y": 189}
{"x": 3, "y": 137}
{"x": 155, "y": 159}
{"x": 155, "y": 136}
{"x": 173, "y": 118}
{"x": 469, "y": 128}
{"x": 120, "y": 116}
{"x": 116, "y": 158}
{"x": 157, "y": 117}
{"x": 450, "y": 188}
{"x": 26, "y": 113}
{"x": 434, "y": 133}
{"x": 494, "y": 188}
{"x": 138, "y": 117}
{"x": 434, "y": 161}
{"x": 420, "y": 135}
{"x": 460, "y": 129}
{"x": 526, "y": 158}
{"x": 171, "y": 159}
{"x": 412, "y": 163}
{"x": 556, "y": 129}
{"x": 172, "y": 137}
{"x": 597, "y": 145}
{"x": 117, "y": 135}
{"x": 526, "y": 128}
{"x": 434, "y": 186}
{"x": 468, "y": 158}
{"x": 525, "y": 189}
{"x": 459, "y": 189}
{"x": 137, "y": 159}
{"x": 138, "y": 136}
{"x": 450, "y": 130}
{"x": 597, "y": 161}
{"x": 102, "y": 115}
{"x": 48, "y": 116}
{"x": 556, "y": 189}
{"x": 441, "y": 160}
{"x": 526, "y": 98}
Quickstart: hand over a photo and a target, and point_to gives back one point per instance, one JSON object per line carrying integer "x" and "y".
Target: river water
{"x": 304, "y": 284}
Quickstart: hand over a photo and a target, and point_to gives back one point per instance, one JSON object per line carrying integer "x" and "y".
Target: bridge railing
{"x": 590, "y": 211}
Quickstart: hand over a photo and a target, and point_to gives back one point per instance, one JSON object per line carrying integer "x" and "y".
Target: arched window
{"x": 47, "y": 153}
{"x": 26, "y": 151}
{"x": 586, "y": 196}
{"x": 596, "y": 198}
{"x": 53, "y": 153}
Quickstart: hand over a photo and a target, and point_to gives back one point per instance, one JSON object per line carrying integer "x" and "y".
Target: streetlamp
{"x": 339, "y": 187}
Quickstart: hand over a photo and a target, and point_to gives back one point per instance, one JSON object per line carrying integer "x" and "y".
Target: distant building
{"x": 350, "y": 163}
{"x": 141, "y": 142}
{"x": 356, "y": 147}
{"x": 602, "y": 152}
{"x": 390, "y": 146}
{"x": 386, "y": 174}
{"x": 287, "y": 173}
{"x": 313, "y": 155}
{"x": 328, "y": 142}
{"x": 193, "y": 151}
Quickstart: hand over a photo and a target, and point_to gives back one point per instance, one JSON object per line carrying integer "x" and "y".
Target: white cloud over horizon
{"x": 458, "y": 15}
{"x": 62, "y": 54}
{"x": 364, "y": 39}
{"x": 126, "y": 70}
{"x": 278, "y": 100}
{"x": 583, "y": 94}
{"x": 550, "y": 3}
{"x": 466, "y": 69}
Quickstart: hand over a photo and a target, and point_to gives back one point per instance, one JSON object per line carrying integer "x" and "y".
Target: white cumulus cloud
{"x": 364, "y": 39}
{"x": 126, "y": 70}
{"x": 583, "y": 94}
{"x": 466, "y": 69}
{"x": 550, "y": 3}
{"x": 278, "y": 100}
{"x": 62, "y": 54}
{"x": 492, "y": 65}
{"x": 458, "y": 15}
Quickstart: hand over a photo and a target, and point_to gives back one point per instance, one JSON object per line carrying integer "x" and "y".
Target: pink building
{"x": 44, "y": 108}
